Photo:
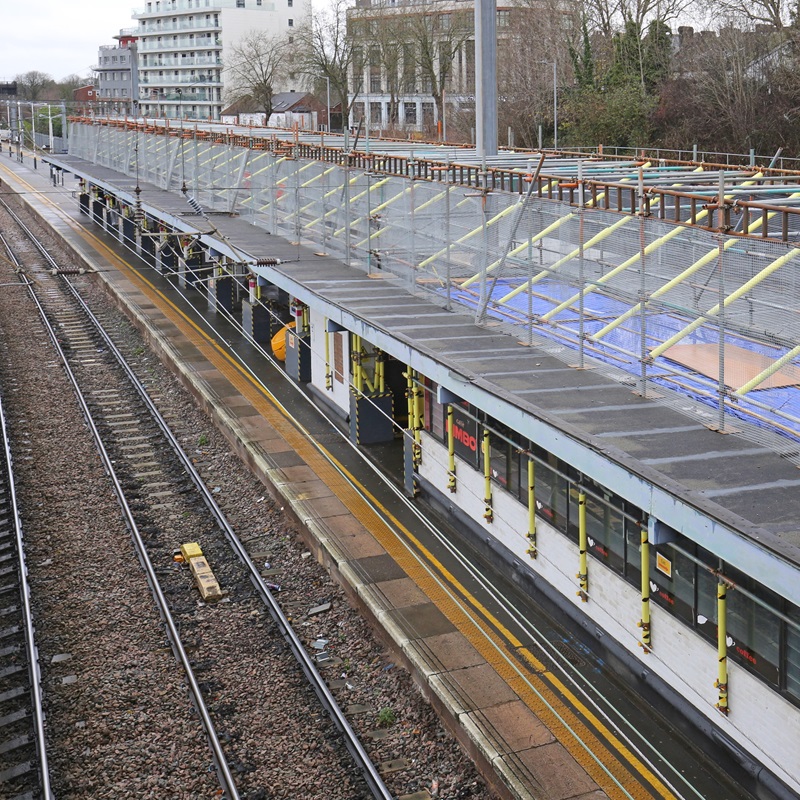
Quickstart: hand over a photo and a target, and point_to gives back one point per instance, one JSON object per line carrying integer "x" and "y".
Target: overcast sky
{"x": 59, "y": 37}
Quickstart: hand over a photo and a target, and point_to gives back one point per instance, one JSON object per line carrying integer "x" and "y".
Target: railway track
{"x": 23, "y": 755}
{"x": 165, "y": 503}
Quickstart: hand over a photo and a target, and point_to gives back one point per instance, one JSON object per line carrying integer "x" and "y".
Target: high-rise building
{"x": 183, "y": 46}
{"x": 117, "y": 75}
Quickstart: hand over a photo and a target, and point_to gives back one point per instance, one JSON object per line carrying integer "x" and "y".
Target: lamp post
{"x": 555, "y": 104}
{"x": 555, "y": 101}
{"x": 328, "y": 81}
{"x": 33, "y": 134}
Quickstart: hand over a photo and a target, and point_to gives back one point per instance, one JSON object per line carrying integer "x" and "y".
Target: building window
{"x": 503, "y": 19}
{"x": 410, "y": 113}
{"x": 239, "y": 3}
{"x": 376, "y": 113}
{"x": 291, "y": 23}
{"x": 793, "y": 654}
{"x": 290, "y": 3}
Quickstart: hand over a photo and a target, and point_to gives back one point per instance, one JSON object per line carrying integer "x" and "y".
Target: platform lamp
{"x": 555, "y": 100}
{"x": 328, "y": 82}
{"x": 179, "y": 92}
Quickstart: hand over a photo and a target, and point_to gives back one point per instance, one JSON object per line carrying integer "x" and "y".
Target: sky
{"x": 59, "y": 37}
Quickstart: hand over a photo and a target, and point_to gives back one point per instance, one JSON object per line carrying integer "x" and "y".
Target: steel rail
{"x": 223, "y": 770}
{"x": 351, "y": 741}
{"x": 32, "y": 651}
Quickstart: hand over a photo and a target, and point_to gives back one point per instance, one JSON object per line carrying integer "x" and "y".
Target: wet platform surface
{"x": 504, "y": 711}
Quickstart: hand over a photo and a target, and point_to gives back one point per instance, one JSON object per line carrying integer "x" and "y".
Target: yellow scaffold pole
{"x": 721, "y": 683}
{"x": 524, "y": 246}
{"x": 333, "y": 210}
{"x": 687, "y": 273}
{"x": 358, "y": 370}
{"x": 533, "y": 239}
{"x": 576, "y": 252}
{"x": 644, "y": 622}
{"x": 419, "y": 419}
{"x": 531, "y": 508}
{"x": 328, "y": 372}
{"x": 731, "y": 298}
{"x": 467, "y": 236}
{"x": 412, "y": 423}
{"x": 596, "y": 239}
{"x": 650, "y": 248}
{"x": 372, "y": 188}
{"x": 391, "y": 200}
{"x": 768, "y": 372}
{"x": 583, "y": 547}
{"x": 328, "y": 194}
{"x": 451, "y": 451}
{"x": 488, "y": 513}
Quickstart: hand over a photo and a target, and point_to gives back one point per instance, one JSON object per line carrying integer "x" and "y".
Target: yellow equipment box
{"x": 190, "y": 550}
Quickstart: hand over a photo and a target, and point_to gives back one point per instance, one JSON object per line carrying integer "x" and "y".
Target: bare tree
{"x": 776, "y": 13}
{"x": 737, "y": 91}
{"x": 324, "y": 50}
{"x": 437, "y": 36}
{"x": 256, "y": 67}
{"x": 609, "y": 16}
{"x": 379, "y": 35}
{"x": 30, "y": 85}
{"x": 67, "y": 85}
{"x": 525, "y": 80}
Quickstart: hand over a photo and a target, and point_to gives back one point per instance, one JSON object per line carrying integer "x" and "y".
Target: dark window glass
{"x": 633, "y": 553}
{"x": 499, "y": 454}
{"x": 672, "y": 577}
{"x": 706, "y": 616}
{"x": 465, "y": 434}
{"x": 514, "y": 460}
{"x": 551, "y": 496}
{"x": 605, "y": 531}
{"x": 793, "y": 654}
{"x": 753, "y": 631}
{"x": 434, "y": 411}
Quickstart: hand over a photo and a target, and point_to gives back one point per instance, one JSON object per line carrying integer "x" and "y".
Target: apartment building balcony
{"x": 170, "y": 45}
{"x": 183, "y": 61}
{"x": 182, "y": 80}
{"x": 183, "y": 24}
{"x": 160, "y": 8}
{"x": 163, "y": 95}
{"x": 159, "y": 62}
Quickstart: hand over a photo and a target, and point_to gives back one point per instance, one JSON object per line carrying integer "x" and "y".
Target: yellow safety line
{"x": 333, "y": 474}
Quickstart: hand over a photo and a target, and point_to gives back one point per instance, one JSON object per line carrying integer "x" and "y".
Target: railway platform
{"x": 510, "y": 709}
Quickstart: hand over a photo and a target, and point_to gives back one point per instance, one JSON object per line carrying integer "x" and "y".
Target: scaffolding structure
{"x": 679, "y": 279}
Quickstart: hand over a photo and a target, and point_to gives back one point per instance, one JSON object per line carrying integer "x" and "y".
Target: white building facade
{"x": 117, "y": 74}
{"x": 183, "y": 46}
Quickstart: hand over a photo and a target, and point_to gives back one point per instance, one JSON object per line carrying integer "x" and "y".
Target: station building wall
{"x": 760, "y": 721}
{"x": 339, "y": 366}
